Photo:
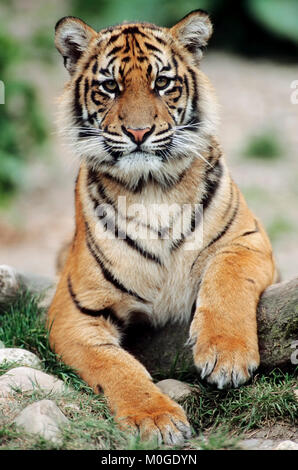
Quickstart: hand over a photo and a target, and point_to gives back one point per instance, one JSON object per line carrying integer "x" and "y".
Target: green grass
{"x": 218, "y": 418}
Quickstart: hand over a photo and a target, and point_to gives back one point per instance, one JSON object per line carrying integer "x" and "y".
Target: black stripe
{"x": 220, "y": 234}
{"x": 94, "y": 67}
{"x": 104, "y": 72}
{"x": 114, "y": 50}
{"x": 212, "y": 184}
{"x": 106, "y": 313}
{"x": 160, "y": 40}
{"x": 195, "y": 97}
{"x": 134, "y": 30}
{"x": 93, "y": 98}
{"x": 86, "y": 89}
{"x": 118, "y": 232}
{"x": 256, "y": 230}
{"x": 111, "y": 61}
{"x": 95, "y": 250}
{"x": 149, "y": 70}
{"x": 76, "y": 104}
{"x": 185, "y": 80}
{"x": 152, "y": 48}
{"x": 195, "y": 220}
{"x": 142, "y": 182}
{"x": 227, "y": 226}
{"x": 113, "y": 38}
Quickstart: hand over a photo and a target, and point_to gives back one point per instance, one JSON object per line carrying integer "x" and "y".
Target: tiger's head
{"x": 137, "y": 105}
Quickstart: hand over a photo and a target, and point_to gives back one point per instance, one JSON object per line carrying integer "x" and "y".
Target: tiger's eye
{"x": 110, "y": 86}
{"x": 162, "y": 82}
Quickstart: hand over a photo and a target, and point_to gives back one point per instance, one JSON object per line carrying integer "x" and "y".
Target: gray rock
{"x": 19, "y": 356}
{"x": 2, "y": 345}
{"x": 43, "y": 418}
{"x": 26, "y": 379}
{"x": 287, "y": 445}
{"x": 174, "y": 388}
{"x": 256, "y": 444}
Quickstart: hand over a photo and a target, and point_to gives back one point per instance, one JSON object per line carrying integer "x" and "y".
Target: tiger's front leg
{"x": 89, "y": 341}
{"x": 224, "y": 327}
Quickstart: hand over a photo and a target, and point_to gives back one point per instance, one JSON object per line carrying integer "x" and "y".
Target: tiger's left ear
{"x": 193, "y": 32}
{"x": 72, "y": 37}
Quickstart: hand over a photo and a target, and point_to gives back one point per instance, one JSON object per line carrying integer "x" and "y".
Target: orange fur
{"x": 105, "y": 281}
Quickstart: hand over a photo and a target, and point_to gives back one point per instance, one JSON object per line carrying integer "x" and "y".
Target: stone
{"x": 296, "y": 393}
{"x": 43, "y": 418}
{"x": 256, "y": 444}
{"x": 8, "y": 280}
{"x": 2, "y": 345}
{"x": 19, "y": 356}
{"x": 287, "y": 445}
{"x": 174, "y": 388}
{"x": 26, "y": 379}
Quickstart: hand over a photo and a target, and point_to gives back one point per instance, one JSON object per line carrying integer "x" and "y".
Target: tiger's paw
{"x": 225, "y": 361}
{"x": 163, "y": 421}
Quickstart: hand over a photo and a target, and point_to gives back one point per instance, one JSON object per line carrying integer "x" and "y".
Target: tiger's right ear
{"x": 72, "y": 37}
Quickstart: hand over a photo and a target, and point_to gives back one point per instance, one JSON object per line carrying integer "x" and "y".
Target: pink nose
{"x": 138, "y": 134}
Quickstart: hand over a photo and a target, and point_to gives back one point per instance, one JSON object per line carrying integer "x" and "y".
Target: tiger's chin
{"x": 139, "y": 163}
{"x": 138, "y": 168}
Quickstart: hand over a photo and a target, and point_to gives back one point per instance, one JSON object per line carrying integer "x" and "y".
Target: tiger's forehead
{"x": 132, "y": 47}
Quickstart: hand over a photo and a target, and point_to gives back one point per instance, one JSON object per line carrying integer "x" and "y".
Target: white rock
{"x": 19, "y": 356}
{"x": 287, "y": 445}
{"x": 174, "y": 388}
{"x": 2, "y": 345}
{"x": 44, "y": 418}
{"x": 26, "y": 379}
{"x": 256, "y": 444}
{"x": 8, "y": 280}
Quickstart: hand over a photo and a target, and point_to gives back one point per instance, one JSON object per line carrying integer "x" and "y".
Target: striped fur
{"x": 142, "y": 117}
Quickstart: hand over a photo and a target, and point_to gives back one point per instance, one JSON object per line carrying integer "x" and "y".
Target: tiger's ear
{"x": 193, "y": 32}
{"x": 72, "y": 37}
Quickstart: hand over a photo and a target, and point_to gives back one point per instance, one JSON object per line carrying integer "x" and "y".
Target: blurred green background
{"x": 255, "y": 45}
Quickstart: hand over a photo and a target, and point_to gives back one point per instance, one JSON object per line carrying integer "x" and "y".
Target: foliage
{"x": 21, "y": 122}
{"x": 278, "y": 16}
{"x": 265, "y": 145}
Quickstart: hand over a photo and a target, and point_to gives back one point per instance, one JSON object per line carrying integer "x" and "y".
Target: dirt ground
{"x": 253, "y": 96}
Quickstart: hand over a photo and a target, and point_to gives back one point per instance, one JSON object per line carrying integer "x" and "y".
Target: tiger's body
{"x": 143, "y": 117}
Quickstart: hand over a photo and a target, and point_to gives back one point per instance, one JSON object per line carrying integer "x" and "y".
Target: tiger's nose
{"x": 137, "y": 135}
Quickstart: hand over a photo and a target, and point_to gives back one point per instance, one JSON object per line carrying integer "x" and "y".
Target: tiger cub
{"x": 162, "y": 230}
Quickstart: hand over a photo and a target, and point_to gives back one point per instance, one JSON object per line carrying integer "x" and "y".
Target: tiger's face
{"x": 137, "y": 104}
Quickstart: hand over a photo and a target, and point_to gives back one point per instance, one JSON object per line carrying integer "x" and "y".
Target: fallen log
{"x": 163, "y": 350}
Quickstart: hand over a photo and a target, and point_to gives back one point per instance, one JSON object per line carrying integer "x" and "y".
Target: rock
{"x": 19, "y": 356}
{"x": 296, "y": 393}
{"x": 26, "y": 379}
{"x": 256, "y": 444}
{"x": 287, "y": 445}
{"x": 43, "y": 418}
{"x": 8, "y": 281}
{"x": 13, "y": 281}
{"x": 2, "y": 345}
{"x": 174, "y": 388}
{"x": 160, "y": 349}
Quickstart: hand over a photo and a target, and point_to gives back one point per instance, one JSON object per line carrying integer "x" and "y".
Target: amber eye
{"x": 162, "y": 82}
{"x": 110, "y": 85}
